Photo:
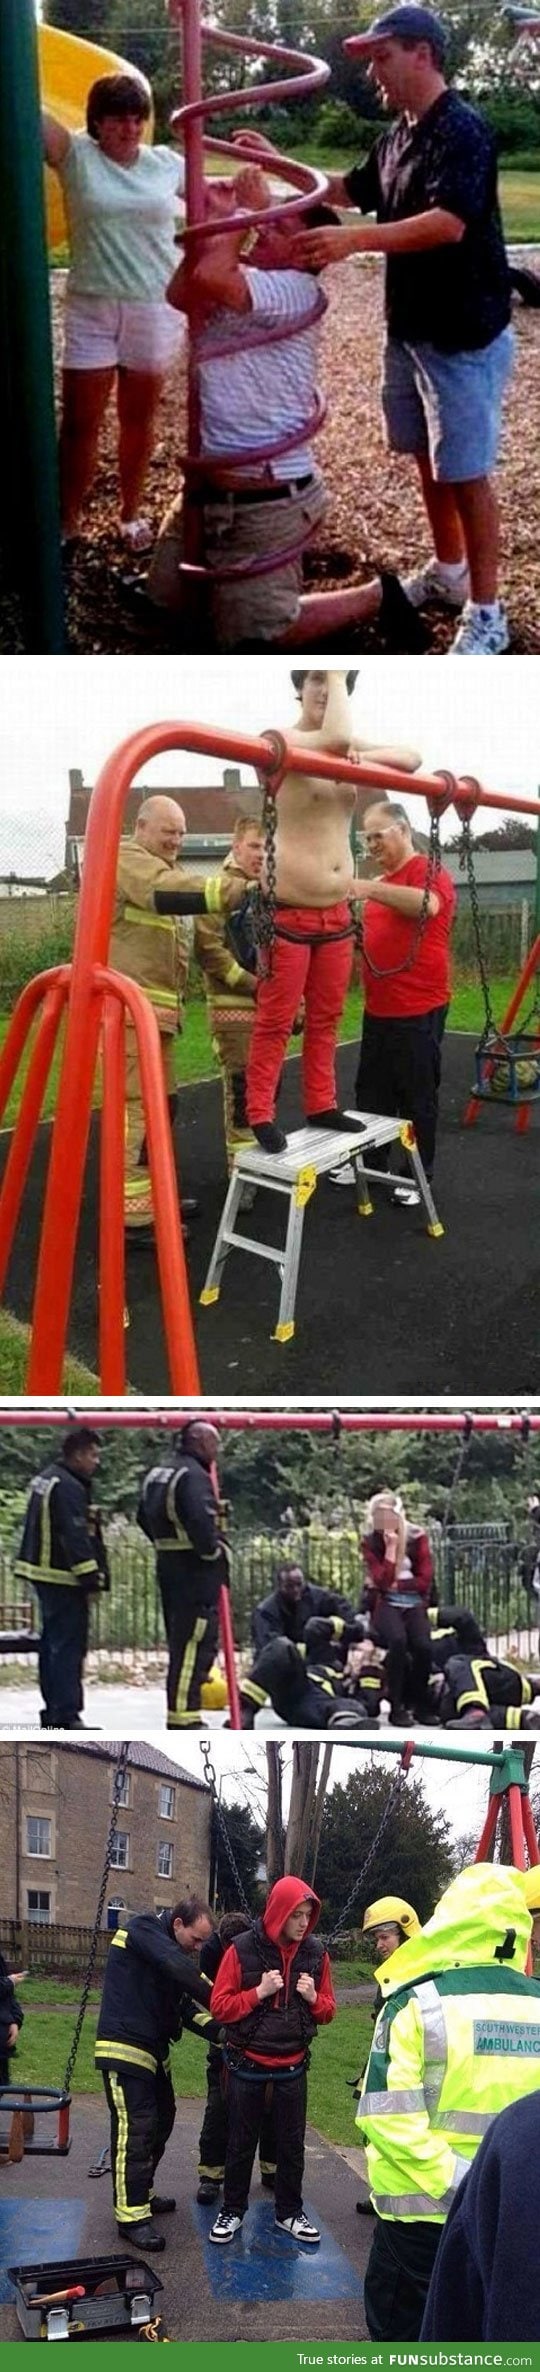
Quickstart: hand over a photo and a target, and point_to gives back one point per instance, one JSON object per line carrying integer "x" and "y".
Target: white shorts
{"x": 103, "y": 336}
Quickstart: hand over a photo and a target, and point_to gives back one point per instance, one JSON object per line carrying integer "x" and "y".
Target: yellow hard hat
{"x": 214, "y": 1693}
{"x": 531, "y": 1887}
{"x": 391, "y": 1910}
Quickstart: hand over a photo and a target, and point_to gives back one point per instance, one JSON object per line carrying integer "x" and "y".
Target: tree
{"x": 415, "y": 1857}
{"x": 247, "y": 1840}
{"x": 85, "y": 19}
{"x": 292, "y": 1848}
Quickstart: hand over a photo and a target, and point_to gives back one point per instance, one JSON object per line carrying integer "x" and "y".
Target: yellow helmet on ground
{"x": 531, "y": 1888}
{"x": 390, "y": 1911}
{"x": 214, "y": 1692}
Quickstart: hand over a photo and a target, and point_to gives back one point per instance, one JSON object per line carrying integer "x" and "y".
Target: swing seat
{"x": 508, "y": 1068}
{"x": 23, "y": 2103}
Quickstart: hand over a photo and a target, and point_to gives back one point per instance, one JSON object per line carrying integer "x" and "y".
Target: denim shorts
{"x": 447, "y": 406}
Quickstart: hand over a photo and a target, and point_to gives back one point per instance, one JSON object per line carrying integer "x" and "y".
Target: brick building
{"x": 210, "y": 811}
{"x": 55, "y": 1810}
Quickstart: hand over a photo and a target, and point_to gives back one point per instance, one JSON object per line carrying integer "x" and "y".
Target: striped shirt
{"x": 254, "y": 390}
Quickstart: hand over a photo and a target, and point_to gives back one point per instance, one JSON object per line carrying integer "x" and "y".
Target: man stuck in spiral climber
{"x": 308, "y": 878}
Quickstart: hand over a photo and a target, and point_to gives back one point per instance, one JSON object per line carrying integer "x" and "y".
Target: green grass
{"x": 340, "y": 2051}
{"x": 195, "y": 1059}
{"x": 14, "y": 1349}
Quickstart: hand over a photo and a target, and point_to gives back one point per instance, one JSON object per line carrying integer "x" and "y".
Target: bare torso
{"x": 313, "y": 848}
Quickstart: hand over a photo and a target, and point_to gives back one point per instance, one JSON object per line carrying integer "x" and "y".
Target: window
{"x": 165, "y": 1861}
{"x": 39, "y": 1907}
{"x": 167, "y": 1803}
{"x": 38, "y": 1836}
{"x": 120, "y": 1851}
{"x": 124, "y": 1794}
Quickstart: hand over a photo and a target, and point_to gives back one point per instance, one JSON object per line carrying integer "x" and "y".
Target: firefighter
{"x": 179, "y": 1512}
{"x": 285, "y": 1614}
{"x": 213, "y": 2138}
{"x": 457, "y": 2038}
{"x": 154, "y": 951}
{"x": 63, "y": 1555}
{"x": 272, "y": 1991}
{"x": 476, "y": 1690}
{"x": 307, "y": 1695}
{"x": 232, "y": 987}
{"x": 152, "y": 1989}
{"x": 11, "y": 2018}
{"x": 389, "y": 1921}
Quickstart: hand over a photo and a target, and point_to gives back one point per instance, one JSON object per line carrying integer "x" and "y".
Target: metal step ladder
{"x": 310, "y": 1153}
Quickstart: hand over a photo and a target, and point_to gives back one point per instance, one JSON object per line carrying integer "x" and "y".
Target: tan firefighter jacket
{"x": 228, "y": 985}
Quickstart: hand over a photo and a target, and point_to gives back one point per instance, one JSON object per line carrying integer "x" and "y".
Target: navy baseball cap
{"x": 407, "y": 22}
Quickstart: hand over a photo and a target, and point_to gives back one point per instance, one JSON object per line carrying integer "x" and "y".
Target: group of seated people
{"x": 322, "y": 1664}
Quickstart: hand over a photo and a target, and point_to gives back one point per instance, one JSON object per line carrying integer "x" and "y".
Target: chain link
{"x": 117, "y": 1796}
{"x": 466, "y": 859}
{"x": 391, "y": 971}
{"x": 211, "y": 1781}
{"x": 359, "y": 1883}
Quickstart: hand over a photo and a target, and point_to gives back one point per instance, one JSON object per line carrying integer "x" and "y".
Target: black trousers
{"x": 192, "y": 1637}
{"x": 248, "y": 2101}
{"x": 405, "y": 1634}
{"x": 482, "y": 1683}
{"x": 398, "y": 2276}
{"x": 400, "y": 1071}
{"x": 142, "y": 2113}
{"x": 215, "y": 2124}
{"x": 62, "y": 1649}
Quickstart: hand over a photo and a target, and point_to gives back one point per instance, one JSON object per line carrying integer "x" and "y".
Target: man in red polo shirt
{"x": 406, "y": 971}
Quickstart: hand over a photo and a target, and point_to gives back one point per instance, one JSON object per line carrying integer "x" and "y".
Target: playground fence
{"x": 478, "y": 1565}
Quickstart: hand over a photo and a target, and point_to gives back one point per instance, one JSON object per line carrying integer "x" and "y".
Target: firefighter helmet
{"x": 214, "y": 1694}
{"x": 390, "y": 1911}
{"x": 531, "y": 1886}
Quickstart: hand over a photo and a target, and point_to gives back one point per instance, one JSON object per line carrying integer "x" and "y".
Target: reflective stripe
{"x": 413, "y": 2203}
{"x": 56, "y": 1575}
{"x": 435, "y": 2042}
{"x": 149, "y": 922}
{"x": 463, "y": 2121}
{"x": 257, "y": 1696}
{"x": 184, "y": 1721}
{"x": 477, "y": 1695}
{"x": 214, "y": 2174}
{"x": 391, "y": 2104}
{"x": 338, "y": 1625}
{"x": 213, "y": 895}
{"x": 88, "y": 1566}
{"x": 187, "y": 1667}
{"x": 126, "y": 2052}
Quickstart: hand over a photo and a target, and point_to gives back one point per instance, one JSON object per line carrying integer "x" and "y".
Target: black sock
{"x": 330, "y": 1119}
{"x": 269, "y": 1135}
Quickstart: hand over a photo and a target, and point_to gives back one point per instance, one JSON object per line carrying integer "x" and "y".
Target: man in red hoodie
{"x": 273, "y": 1990}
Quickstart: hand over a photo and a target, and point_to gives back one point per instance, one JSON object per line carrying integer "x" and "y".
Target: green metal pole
{"x": 28, "y": 456}
{"x": 499, "y": 1758}
{"x": 536, "y": 910}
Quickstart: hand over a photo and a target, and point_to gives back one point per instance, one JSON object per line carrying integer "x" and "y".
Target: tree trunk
{"x": 275, "y": 1842}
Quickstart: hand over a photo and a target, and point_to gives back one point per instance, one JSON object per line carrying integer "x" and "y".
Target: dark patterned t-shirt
{"x": 457, "y": 297}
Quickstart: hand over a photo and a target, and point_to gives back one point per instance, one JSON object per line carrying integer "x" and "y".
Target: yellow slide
{"x": 67, "y": 69}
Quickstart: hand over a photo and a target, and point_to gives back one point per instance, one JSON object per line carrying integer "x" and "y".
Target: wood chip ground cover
{"x": 375, "y": 514}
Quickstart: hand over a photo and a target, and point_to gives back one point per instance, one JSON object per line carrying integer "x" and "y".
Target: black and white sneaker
{"x": 299, "y": 2228}
{"x": 225, "y": 2229}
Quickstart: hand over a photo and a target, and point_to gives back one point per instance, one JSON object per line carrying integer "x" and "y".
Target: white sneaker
{"x": 408, "y": 1195}
{"x": 225, "y": 2228}
{"x": 299, "y": 2228}
{"x": 483, "y": 631}
{"x": 138, "y": 534}
{"x": 345, "y": 1176}
{"x": 432, "y": 584}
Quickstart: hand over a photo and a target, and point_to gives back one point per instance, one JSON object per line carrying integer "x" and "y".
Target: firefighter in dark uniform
{"x": 285, "y": 1614}
{"x": 179, "y": 1512}
{"x": 213, "y": 2137}
{"x": 63, "y": 1555}
{"x": 152, "y": 1989}
{"x": 11, "y": 2018}
{"x": 470, "y": 1688}
{"x": 306, "y": 1693}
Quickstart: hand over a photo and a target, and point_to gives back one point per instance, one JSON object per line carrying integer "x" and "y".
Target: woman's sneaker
{"x": 225, "y": 2228}
{"x": 483, "y": 631}
{"x": 449, "y": 588}
{"x": 299, "y": 2228}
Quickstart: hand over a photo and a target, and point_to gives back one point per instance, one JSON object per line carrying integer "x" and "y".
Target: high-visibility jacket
{"x": 62, "y": 1542}
{"x": 151, "y": 948}
{"x": 151, "y": 1990}
{"x": 457, "y": 2039}
{"x": 230, "y": 988}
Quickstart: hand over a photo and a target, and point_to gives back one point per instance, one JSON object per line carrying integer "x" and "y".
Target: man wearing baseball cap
{"x": 431, "y": 182}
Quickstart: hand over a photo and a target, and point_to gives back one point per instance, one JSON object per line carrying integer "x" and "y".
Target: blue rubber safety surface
{"x": 38, "y": 2231}
{"x": 263, "y": 2264}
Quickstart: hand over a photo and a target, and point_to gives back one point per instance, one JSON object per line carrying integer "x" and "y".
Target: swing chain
{"x": 466, "y": 858}
{"x": 397, "y": 1783}
{"x": 211, "y": 1781}
{"x": 265, "y": 900}
{"x": 434, "y": 859}
{"x": 118, "y": 1788}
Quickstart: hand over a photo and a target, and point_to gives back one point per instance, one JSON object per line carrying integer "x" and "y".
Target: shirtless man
{"x": 312, "y": 944}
